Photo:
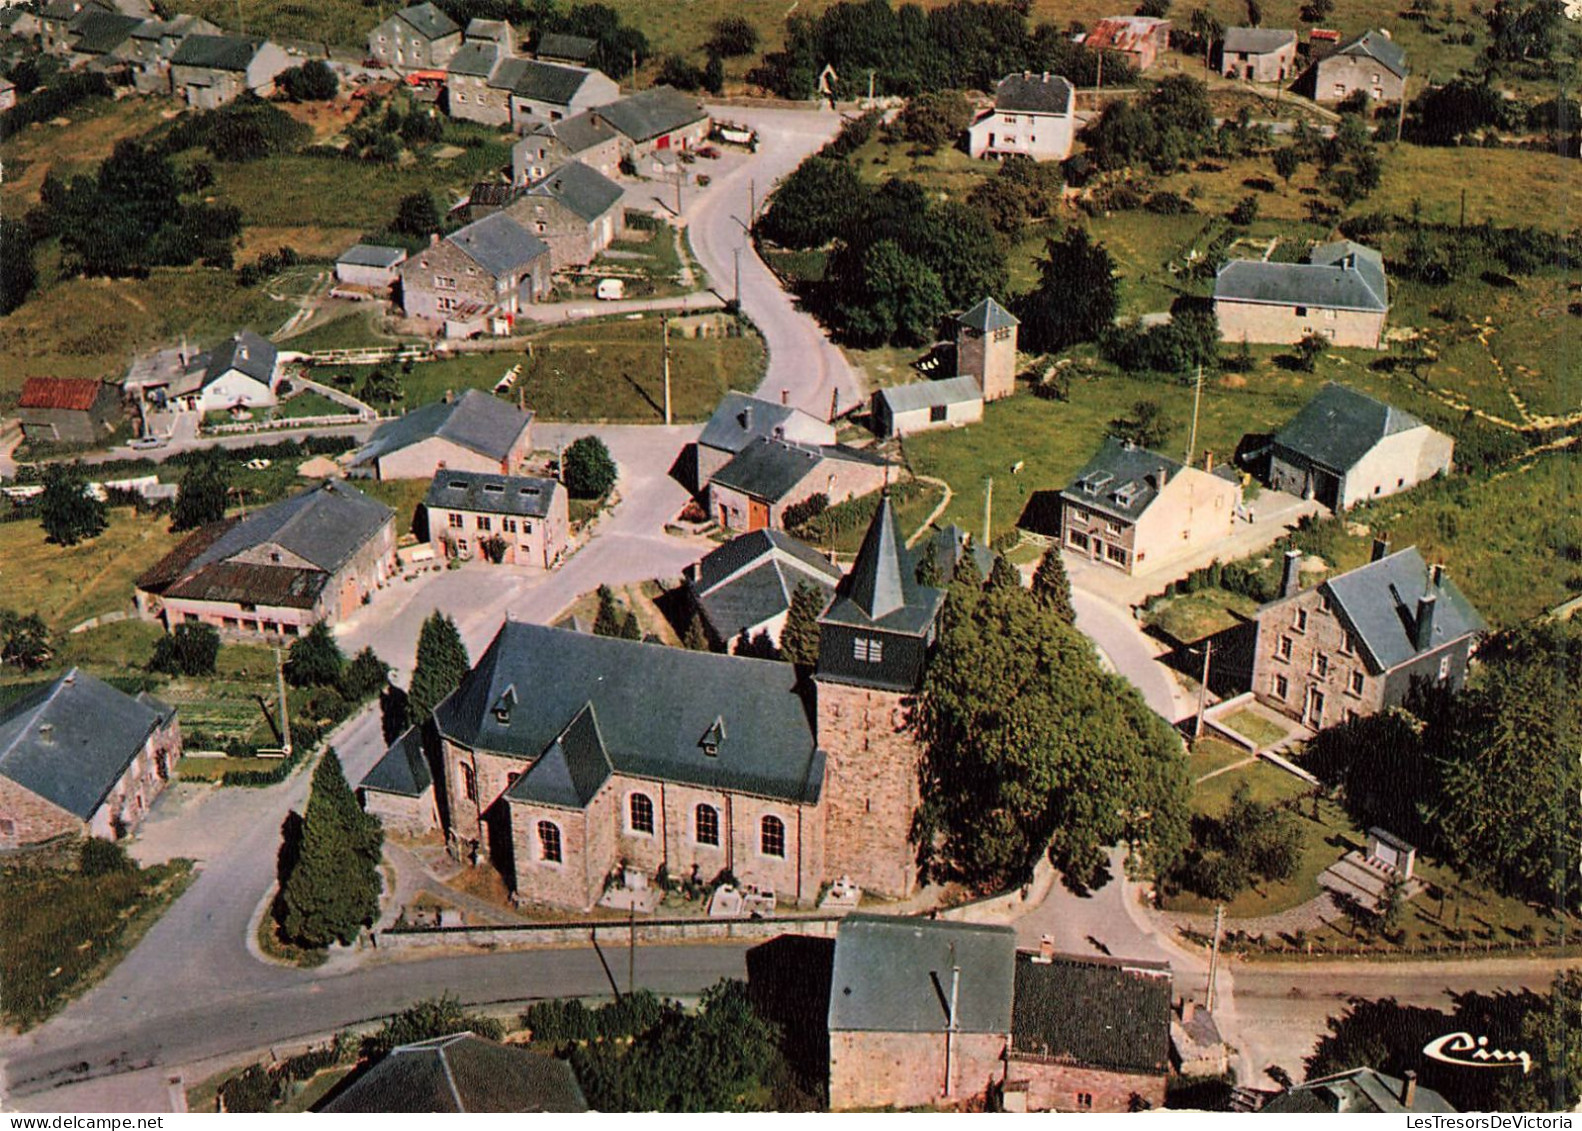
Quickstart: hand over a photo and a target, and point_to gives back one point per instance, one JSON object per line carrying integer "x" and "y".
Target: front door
{"x": 1314, "y": 716}
{"x": 757, "y": 515}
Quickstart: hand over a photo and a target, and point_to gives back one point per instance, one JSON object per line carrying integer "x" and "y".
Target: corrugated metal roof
{"x": 1126, "y": 33}
{"x": 928, "y": 394}
{"x": 893, "y": 975}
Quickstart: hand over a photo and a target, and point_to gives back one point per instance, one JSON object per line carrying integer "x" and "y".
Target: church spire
{"x": 875, "y": 579}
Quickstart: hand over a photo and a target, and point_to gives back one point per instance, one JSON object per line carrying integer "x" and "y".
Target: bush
{"x": 732, "y": 37}
{"x": 188, "y": 649}
{"x": 435, "y": 1017}
{"x": 799, "y": 514}
{"x": 1245, "y": 211}
{"x": 588, "y": 469}
{"x": 313, "y": 81}
{"x": 100, "y": 857}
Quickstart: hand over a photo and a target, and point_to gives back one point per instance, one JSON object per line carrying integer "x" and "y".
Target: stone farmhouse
{"x": 901, "y": 410}
{"x": 575, "y": 210}
{"x": 551, "y": 92}
{"x": 490, "y": 268}
{"x": 659, "y": 119}
{"x": 936, "y": 1013}
{"x": 1258, "y": 54}
{"x": 752, "y": 491}
{"x": 420, "y": 37}
{"x": 1340, "y": 293}
{"x": 209, "y": 71}
{"x": 1354, "y": 645}
{"x": 461, "y": 1073}
{"x": 524, "y": 518}
{"x": 746, "y": 586}
{"x": 478, "y": 84}
{"x": 1345, "y": 447}
{"x": 58, "y": 21}
{"x": 67, "y": 410}
{"x": 1371, "y": 62}
{"x": 147, "y": 52}
{"x": 585, "y": 138}
{"x": 1033, "y": 115}
{"x": 565, "y": 757}
{"x": 1137, "y": 511}
{"x": 1139, "y": 38}
{"x": 94, "y": 38}
{"x": 79, "y": 758}
{"x": 317, "y": 556}
{"x": 986, "y": 348}
{"x": 471, "y": 432}
{"x": 739, "y": 420}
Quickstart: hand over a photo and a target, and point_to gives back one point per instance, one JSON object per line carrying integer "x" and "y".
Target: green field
{"x": 69, "y": 584}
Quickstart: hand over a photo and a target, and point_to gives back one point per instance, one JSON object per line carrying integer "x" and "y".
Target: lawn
{"x": 1190, "y": 617}
{"x": 639, "y": 598}
{"x": 69, "y": 584}
{"x": 1211, "y": 754}
{"x": 595, "y": 372}
{"x": 646, "y": 258}
{"x": 92, "y": 128}
{"x": 308, "y": 403}
{"x": 65, "y": 931}
{"x": 404, "y": 496}
{"x": 343, "y": 325}
{"x": 1251, "y": 725}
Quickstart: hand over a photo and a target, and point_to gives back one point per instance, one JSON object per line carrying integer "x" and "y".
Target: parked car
{"x": 708, "y": 151}
{"x": 148, "y": 443}
{"x": 610, "y": 290}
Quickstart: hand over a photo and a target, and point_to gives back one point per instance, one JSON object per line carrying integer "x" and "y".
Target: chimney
{"x": 1164, "y": 475}
{"x": 1291, "y": 576}
{"x": 46, "y": 732}
{"x": 1381, "y": 548}
{"x": 1046, "y": 948}
{"x": 1188, "y": 1010}
{"x": 1436, "y": 576}
{"x": 1423, "y": 626}
{"x": 747, "y": 418}
{"x": 1409, "y": 1088}
{"x": 450, "y": 396}
{"x": 785, "y": 396}
{"x": 1208, "y": 461}
{"x": 433, "y": 239}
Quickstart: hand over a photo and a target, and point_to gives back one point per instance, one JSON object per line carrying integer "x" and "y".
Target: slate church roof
{"x": 882, "y": 590}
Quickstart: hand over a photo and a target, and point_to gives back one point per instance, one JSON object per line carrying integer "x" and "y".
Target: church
{"x": 564, "y": 759}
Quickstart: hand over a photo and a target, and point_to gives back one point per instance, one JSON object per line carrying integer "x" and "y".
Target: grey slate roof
{"x": 587, "y": 192}
{"x": 988, "y": 315}
{"x": 927, "y": 394}
{"x": 893, "y": 975}
{"x": 1340, "y": 425}
{"x": 882, "y": 589}
{"x": 429, "y": 21}
{"x": 1356, "y": 1090}
{"x": 550, "y": 82}
{"x": 1257, "y": 40}
{"x": 1122, "y": 480}
{"x": 653, "y": 706}
{"x": 245, "y": 352}
{"x": 476, "y": 420}
{"x": 508, "y": 72}
{"x": 1027, "y": 93}
{"x": 769, "y": 469}
{"x": 372, "y": 255}
{"x": 568, "y": 48}
{"x": 752, "y": 578}
{"x": 1100, "y": 1013}
{"x": 740, "y": 419}
{"x": 462, "y": 1073}
{"x": 1378, "y": 602}
{"x": 578, "y": 133}
{"x": 473, "y": 58}
{"x": 572, "y": 770}
{"x": 71, "y": 741}
{"x": 496, "y": 30}
{"x": 99, "y": 33}
{"x": 404, "y": 768}
{"x": 648, "y": 113}
{"x": 1377, "y": 46}
{"x": 1340, "y": 276}
{"x": 217, "y": 52}
{"x": 498, "y": 244}
{"x": 519, "y": 495}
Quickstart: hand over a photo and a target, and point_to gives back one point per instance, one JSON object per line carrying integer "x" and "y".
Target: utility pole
{"x": 634, "y": 70}
{"x": 1100, "y": 84}
{"x": 752, "y": 202}
{"x": 988, "y": 508}
{"x": 664, "y": 324}
{"x": 1202, "y": 691}
{"x": 631, "y": 948}
{"x": 1463, "y": 224}
{"x": 951, "y": 1026}
{"x": 834, "y": 405}
{"x": 679, "y": 174}
{"x": 870, "y": 88}
{"x": 1197, "y": 399}
{"x": 1213, "y": 960}
{"x": 738, "y": 278}
{"x": 285, "y": 720}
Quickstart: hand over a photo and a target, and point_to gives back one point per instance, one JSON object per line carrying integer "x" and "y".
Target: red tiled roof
{"x": 77, "y": 393}
{"x": 1123, "y": 33}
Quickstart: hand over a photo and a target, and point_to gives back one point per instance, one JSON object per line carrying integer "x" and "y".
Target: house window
{"x": 1084, "y": 1101}
{"x": 443, "y": 303}
{"x": 1116, "y": 554}
{"x": 1444, "y": 668}
{"x": 1283, "y": 649}
{"x": 1355, "y": 684}
{"x": 1301, "y": 312}
{"x": 1003, "y": 334}
{"x": 483, "y": 522}
{"x": 549, "y": 842}
{"x": 1320, "y": 665}
{"x": 1282, "y": 687}
{"x": 455, "y": 521}
{"x": 1077, "y": 539}
{"x": 469, "y": 782}
{"x": 444, "y": 282}
{"x": 640, "y": 813}
{"x": 772, "y": 837}
{"x": 868, "y": 649}
{"x": 1114, "y": 528}
{"x": 508, "y": 525}
{"x": 1301, "y": 620}
{"x": 706, "y": 825}
{"x": 938, "y": 414}
{"x": 1346, "y": 647}
{"x": 7, "y": 827}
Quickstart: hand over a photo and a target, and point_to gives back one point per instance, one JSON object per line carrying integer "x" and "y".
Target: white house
{"x": 243, "y": 372}
{"x": 1033, "y": 115}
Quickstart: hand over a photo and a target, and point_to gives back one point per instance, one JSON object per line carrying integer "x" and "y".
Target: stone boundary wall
{"x": 611, "y": 930}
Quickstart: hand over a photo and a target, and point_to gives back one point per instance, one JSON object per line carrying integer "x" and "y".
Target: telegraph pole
{"x": 285, "y": 720}
{"x": 1197, "y": 399}
{"x": 988, "y": 508}
{"x": 738, "y": 278}
{"x": 665, "y": 348}
{"x": 752, "y": 202}
{"x": 1202, "y": 691}
{"x": 1213, "y": 961}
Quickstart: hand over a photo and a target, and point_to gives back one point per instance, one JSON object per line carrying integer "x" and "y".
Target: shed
{"x": 370, "y": 265}
{"x": 904, "y": 409}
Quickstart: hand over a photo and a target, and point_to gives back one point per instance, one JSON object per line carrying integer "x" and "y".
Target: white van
{"x": 610, "y": 290}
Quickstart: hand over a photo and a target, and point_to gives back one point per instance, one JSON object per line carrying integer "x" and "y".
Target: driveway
{"x": 1130, "y": 651}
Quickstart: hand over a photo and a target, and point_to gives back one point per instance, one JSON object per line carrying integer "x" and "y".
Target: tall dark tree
{"x": 928, "y": 572}
{"x": 416, "y": 215}
{"x": 441, "y": 664}
{"x": 201, "y": 497}
{"x": 315, "y": 660}
{"x": 1053, "y": 587}
{"x": 696, "y": 638}
{"x": 68, "y": 513}
{"x": 799, "y": 638}
{"x": 1003, "y": 575}
{"x": 17, "y": 273}
{"x": 332, "y": 889}
{"x": 607, "y": 621}
{"x": 365, "y": 676}
{"x": 1076, "y": 298}
{"x": 1286, "y": 162}
{"x": 630, "y": 628}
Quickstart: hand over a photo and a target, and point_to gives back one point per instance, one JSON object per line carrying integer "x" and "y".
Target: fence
{"x": 1254, "y": 950}
{"x": 614, "y": 930}
{"x": 371, "y": 355}
{"x": 338, "y": 421}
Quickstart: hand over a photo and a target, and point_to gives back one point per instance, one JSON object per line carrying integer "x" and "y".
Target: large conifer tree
{"x": 1053, "y": 587}
{"x": 331, "y": 890}
{"x": 799, "y": 638}
{"x": 442, "y": 663}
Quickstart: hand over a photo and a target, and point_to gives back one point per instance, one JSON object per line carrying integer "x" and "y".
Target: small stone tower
{"x": 986, "y": 348}
{"x": 873, "y": 645}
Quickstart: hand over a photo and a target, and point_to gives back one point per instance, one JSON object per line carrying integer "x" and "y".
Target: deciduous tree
{"x": 201, "y": 497}
{"x": 68, "y": 513}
